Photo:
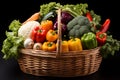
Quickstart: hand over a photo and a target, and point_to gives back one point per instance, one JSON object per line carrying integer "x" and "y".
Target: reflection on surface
{"x": 94, "y": 76}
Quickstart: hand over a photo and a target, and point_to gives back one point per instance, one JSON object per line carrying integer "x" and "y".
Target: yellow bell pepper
{"x": 49, "y": 46}
{"x": 65, "y": 46}
{"x": 75, "y": 44}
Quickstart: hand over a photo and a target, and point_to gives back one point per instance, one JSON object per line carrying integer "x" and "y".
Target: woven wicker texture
{"x": 67, "y": 65}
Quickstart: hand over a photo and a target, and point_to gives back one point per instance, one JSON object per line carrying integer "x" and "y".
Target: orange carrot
{"x": 34, "y": 17}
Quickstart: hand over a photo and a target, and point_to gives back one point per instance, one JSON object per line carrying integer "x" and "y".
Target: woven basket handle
{"x": 59, "y": 41}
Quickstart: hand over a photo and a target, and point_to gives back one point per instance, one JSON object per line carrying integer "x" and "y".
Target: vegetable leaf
{"x": 12, "y": 43}
{"x": 110, "y": 47}
{"x": 46, "y": 8}
{"x": 14, "y": 25}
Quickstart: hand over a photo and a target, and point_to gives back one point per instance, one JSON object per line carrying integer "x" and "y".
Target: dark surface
{"x": 9, "y": 10}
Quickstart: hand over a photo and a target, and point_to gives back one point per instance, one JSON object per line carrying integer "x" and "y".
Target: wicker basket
{"x": 59, "y": 64}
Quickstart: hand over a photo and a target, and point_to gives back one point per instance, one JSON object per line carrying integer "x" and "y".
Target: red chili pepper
{"x": 88, "y": 15}
{"x": 101, "y": 38}
{"x": 105, "y": 25}
{"x": 38, "y": 34}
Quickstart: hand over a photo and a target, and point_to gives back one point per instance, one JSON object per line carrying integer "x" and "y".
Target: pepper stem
{"x": 49, "y": 44}
{"x": 102, "y": 35}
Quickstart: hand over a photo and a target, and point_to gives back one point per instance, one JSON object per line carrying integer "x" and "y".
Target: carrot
{"x": 34, "y": 17}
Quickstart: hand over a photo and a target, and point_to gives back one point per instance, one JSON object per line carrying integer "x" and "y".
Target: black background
{"x": 23, "y": 9}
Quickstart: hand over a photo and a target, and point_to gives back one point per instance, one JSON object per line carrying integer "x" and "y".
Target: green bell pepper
{"x": 89, "y": 40}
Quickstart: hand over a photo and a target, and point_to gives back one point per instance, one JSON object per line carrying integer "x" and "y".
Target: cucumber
{"x": 50, "y": 16}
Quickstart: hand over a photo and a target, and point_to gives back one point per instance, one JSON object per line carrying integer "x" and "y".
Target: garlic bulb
{"x": 28, "y": 43}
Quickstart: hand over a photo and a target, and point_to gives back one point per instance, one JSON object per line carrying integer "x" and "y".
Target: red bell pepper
{"x": 38, "y": 34}
{"x": 88, "y": 15}
{"x": 101, "y": 38}
{"x": 105, "y": 25}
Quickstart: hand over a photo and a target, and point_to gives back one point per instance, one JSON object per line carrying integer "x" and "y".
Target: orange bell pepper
{"x": 49, "y": 46}
{"x": 51, "y": 35}
{"x": 47, "y": 24}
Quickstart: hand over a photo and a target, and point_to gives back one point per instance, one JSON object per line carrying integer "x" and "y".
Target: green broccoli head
{"x": 78, "y": 26}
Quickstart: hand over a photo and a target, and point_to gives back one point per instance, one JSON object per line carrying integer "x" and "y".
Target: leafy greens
{"x": 12, "y": 43}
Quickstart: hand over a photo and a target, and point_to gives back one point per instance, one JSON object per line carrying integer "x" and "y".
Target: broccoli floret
{"x": 78, "y": 26}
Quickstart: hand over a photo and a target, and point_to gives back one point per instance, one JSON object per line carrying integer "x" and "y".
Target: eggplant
{"x": 66, "y": 17}
{"x": 64, "y": 27}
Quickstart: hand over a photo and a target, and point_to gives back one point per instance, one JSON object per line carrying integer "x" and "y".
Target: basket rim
{"x": 52, "y": 54}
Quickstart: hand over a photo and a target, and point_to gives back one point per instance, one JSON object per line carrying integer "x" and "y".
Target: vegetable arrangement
{"x": 79, "y": 31}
